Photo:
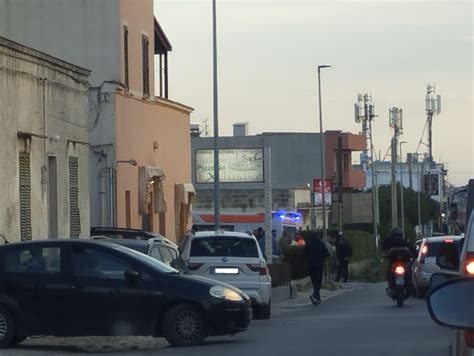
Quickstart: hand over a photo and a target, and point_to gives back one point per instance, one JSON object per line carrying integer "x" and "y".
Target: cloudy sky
{"x": 269, "y": 51}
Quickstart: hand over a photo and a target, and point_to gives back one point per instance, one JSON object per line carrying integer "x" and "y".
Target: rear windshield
{"x": 433, "y": 248}
{"x": 220, "y": 246}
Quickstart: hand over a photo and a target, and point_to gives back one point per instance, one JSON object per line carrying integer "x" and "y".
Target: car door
{"x": 110, "y": 303}
{"x": 36, "y": 277}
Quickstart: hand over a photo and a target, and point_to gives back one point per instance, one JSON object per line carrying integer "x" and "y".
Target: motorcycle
{"x": 399, "y": 275}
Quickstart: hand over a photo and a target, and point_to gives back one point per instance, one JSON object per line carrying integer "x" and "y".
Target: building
{"x": 44, "y": 152}
{"x": 140, "y": 169}
{"x": 294, "y": 163}
{"x": 413, "y": 175}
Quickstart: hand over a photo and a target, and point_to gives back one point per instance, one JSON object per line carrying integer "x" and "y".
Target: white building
{"x": 44, "y": 151}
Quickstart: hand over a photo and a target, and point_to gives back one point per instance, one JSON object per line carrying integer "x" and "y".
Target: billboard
{"x": 240, "y": 165}
{"x": 318, "y": 190}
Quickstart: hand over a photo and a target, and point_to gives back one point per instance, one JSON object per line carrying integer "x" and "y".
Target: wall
{"x": 139, "y": 123}
{"x": 64, "y": 113}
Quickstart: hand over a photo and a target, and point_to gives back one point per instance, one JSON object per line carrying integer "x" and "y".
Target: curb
{"x": 283, "y": 293}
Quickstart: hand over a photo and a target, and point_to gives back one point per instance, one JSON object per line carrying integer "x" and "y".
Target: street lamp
{"x": 323, "y": 171}
{"x": 402, "y": 217}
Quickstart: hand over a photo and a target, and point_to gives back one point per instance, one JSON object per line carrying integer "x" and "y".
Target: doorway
{"x": 52, "y": 197}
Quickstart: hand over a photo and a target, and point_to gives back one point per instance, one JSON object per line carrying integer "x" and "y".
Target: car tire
{"x": 7, "y": 328}
{"x": 263, "y": 312}
{"x": 184, "y": 325}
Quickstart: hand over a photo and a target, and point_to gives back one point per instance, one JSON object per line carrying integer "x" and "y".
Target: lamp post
{"x": 323, "y": 171}
{"x": 402, "y": 214}
{"x": 217, "y": 208}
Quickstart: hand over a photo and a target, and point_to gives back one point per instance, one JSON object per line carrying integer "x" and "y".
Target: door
{"x": 110, "y": 303}
{"x": 36, "y": 277}
{"x": 52, "y": 198}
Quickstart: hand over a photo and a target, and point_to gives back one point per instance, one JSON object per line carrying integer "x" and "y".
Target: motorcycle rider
{"x": 395, "y": 239}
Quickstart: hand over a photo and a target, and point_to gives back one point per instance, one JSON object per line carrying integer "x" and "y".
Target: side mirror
{"x": 448, "y": 256}
{"x": 450, "y": 304}
{"x": 131, "y": 275}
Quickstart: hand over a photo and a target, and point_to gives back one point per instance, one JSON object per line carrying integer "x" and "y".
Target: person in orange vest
{"x": 299, "y": 240}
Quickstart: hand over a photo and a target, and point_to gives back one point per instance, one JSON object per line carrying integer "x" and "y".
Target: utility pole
{"x": 364, "y": 111}
{"x": 395, "y": 122}
{"x": 340, "y": 184}
{"x": 217, "y": 207}
{"x": 419, "y": 189}
{"x": 402, "y": 208}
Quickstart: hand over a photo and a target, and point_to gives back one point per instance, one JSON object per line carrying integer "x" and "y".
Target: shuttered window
{"x": 125, "y": 56}
{"x": 145, "y": 67}
{"x": 25, "y": 196}
{"x": 74, "y": 213}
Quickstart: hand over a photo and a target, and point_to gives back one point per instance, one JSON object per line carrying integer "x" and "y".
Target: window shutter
{"x": 125, "y": 55}
{"x": 74, "y": 213}
{"x": 145, "y": 67}
{"x": 25, "y": 196}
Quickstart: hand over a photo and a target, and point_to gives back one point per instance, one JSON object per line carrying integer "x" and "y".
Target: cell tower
{"x": 433, "y": 107}
{"x": 364, "y": 112}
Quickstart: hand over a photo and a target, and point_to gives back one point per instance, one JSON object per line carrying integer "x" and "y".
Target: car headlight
{"x": 225, "y": 293}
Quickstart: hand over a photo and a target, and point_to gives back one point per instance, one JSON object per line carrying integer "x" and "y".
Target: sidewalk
{"x": 302, "y": 299}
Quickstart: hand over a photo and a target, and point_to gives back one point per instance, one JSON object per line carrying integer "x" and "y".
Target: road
{"x": 360, "y": 322}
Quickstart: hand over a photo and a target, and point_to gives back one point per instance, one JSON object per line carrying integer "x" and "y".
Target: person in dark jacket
{"x": 343, "y": 254}
{"x": 395, "y": 239}
{"x": 315, "y": 252}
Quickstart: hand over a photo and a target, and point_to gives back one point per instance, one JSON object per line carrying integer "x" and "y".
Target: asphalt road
{"x": 360, "y": 322}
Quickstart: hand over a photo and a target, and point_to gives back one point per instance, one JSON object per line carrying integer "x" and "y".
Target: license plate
{"x": 226, "y": 270}
{"x": 400, "y": 281}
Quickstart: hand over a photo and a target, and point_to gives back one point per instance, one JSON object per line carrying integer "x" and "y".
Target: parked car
{"x": 234, "y": 258}
{"x": 425, "y": 264}
{"x": 84, "y": 287}
{"x": 149, "y": 243}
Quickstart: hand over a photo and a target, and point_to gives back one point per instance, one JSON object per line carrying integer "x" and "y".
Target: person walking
{"x": 261, "y": 240}
{"x": 315, "y": 252}
{"x": 343, "y": 254}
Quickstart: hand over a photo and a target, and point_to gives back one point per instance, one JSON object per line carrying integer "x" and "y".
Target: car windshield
{"x": 433, "y": 248}
{"x": 149, "y": 261}
{"x": 218, "y": 246}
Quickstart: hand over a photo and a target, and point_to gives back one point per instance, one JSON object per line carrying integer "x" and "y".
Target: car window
{"x": 40, "y": 260}
{"x": 433, "y": 248}
{"x": 174, "y": 253}
{"x": 93, "y": 263}
{"x": 166, "y": 255}
{"x": 155, "y": 253}
{"x": 216, "y": 246}
{"x": 147, "y": 260}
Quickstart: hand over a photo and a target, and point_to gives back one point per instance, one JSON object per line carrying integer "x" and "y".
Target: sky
{"x": 269, "y": 50}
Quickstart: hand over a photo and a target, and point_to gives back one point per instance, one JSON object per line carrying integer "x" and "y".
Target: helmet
{"x": 396, "y": 231}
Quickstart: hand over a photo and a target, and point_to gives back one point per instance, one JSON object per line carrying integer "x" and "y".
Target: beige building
{"x": 140, "y": 168}
{"x": 44, "y": 152}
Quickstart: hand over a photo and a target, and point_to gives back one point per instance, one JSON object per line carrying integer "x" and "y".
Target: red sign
{"x": 318, "y": 189}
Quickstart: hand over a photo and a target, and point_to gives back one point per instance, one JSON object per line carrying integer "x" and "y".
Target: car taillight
{"x": 254, "y": 267}
{"x": 400, "y": 270}
{"x": 448, "y": 241}
{"x": 469, "y": 264}
{"x": 469, "y": 338}
{"x": 194, "y": 266}
{"x": 423, "y": 252}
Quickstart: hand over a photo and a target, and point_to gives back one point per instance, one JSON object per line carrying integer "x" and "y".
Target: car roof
{"x": 443, "y": 238}
{"x": 122, "y": 229}
{"x": 221, "y": 233}
{"x": 62, "y": 241}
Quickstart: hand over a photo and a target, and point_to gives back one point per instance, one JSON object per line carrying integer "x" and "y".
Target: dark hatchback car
{"x": 84, "y": 287}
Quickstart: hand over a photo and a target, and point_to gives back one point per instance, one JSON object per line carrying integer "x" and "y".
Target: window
{"x": 33, "y": 259}
{"x": 165, "y": 253}
{"x": 92, "y": 263}
{"x": 155, "y": 253}
{"x": 224, "y": 246}
{"x": 128, "y": 213}
{"x": 74, "y": 213}
{"x": 125, "y": 56}
{"x": 145, "y": 67}
{"x": 25, "y": 196}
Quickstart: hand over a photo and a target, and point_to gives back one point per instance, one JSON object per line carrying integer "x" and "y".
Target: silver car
{"x": 425, "y": 264}
{"x": 234, "y": 258}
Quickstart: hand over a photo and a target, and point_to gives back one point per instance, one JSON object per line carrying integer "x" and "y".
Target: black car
{"x": 84, "y": 287}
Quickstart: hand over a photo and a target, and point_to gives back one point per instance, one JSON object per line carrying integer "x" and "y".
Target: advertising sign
{"x": 318, "y": 192}
{"x": 241, "y": 165}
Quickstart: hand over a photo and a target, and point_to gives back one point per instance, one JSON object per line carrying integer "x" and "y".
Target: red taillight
{"x": 254, "y": 267}
{"x": 469, "y": 338}
{"x": 194, "y": 266}
{"x": 400, "y": 270}
{"x": 469, "y": 264}
{"x": 423, "y": 252}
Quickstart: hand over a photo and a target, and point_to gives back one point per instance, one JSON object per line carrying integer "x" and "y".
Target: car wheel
{"x": 7, "y": 328}
{"x": 263, "y": 311}
{"x": 184, "y": 325}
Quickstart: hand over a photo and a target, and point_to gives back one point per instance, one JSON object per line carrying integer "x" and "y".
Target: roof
{"x": 162, "y": 44}
{"x": 222, "y": 233}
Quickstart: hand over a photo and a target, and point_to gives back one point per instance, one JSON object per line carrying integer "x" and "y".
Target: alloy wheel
{"x": 3, "y": 326}
{"x": 188, "y": 325}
